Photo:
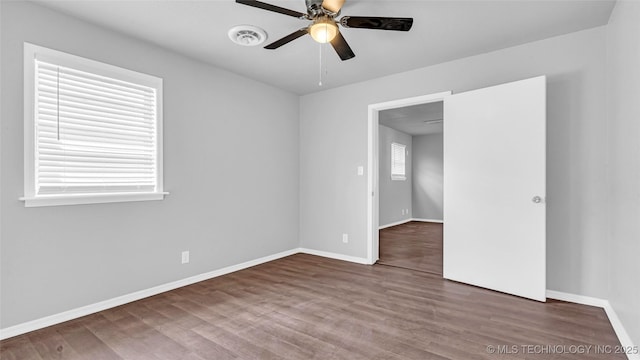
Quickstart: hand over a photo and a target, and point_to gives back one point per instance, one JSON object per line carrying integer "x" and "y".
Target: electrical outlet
{"x": 360, "y": 170}
{"x": 345, "y": 238}
{"x": 185, "y": 257}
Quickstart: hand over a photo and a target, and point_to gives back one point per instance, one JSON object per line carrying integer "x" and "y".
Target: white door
{"x": 494, "y": 188}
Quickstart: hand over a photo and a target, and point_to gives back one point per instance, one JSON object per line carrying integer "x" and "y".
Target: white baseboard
{"x": 336, "y": 256}
{"x": 621, "y": 332}
{"x": 409, "y": 220}
{"x": 138, "y": 295}
{"x": 428, "y": 220}
{"x": 394, "y": 224}
{"x": 578, "y": 299}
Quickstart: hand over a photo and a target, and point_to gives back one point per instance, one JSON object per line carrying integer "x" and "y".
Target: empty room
{"x": 218, "y": 179}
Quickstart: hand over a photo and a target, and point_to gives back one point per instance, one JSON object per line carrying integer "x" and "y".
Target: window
{"x": 398, "y": 161}
{"x": 93, "y": 132}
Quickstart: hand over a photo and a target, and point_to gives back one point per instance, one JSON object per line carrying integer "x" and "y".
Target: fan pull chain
{"x": 320, "y": 66}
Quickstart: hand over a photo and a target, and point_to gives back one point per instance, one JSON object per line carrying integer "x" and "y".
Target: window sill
{"x": 57, "y": 200}
{"x": 398, "y": 177}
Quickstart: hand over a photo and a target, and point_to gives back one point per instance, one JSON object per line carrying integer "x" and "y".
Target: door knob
{"x": 537, "y": 199}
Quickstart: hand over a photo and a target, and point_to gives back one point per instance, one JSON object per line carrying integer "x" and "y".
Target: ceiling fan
{"x": 324, "y": 26}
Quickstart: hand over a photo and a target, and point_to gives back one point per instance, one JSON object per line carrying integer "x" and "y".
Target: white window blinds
{"x": 93, "y": 134}
{"x": 398, "y": 161}
{"x": 92, "y": 131}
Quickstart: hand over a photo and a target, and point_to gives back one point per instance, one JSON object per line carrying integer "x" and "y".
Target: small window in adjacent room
{"x": 93, "y": 131}
{"x": 398, "y": 161}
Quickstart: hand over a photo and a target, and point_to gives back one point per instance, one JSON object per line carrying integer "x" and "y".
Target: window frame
{"x": 30, "y": 197}
{"x": 396, "y": 176}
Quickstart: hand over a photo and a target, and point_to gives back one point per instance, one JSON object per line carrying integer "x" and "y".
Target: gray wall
{"x": 576, "y": 216}
{"x": 395, "y": 195}
{"x": 428, "y": 170}
{"x": 59, "y": 258}
{"x": 623, "y": 41}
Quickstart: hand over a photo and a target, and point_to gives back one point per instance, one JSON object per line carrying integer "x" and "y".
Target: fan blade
{"x": 287, "y": 39}
{"x": 270, "y": 7}
{"x": 333, "y": 5}
{"x": 342, "y": 48}
{"x": 380, "y": 23}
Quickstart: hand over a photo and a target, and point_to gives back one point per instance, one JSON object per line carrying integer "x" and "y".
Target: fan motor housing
{"x": 314, "y": 7}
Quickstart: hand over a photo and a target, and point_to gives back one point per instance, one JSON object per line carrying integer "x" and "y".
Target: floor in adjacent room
{"x": 414, "y": 245}
{"x": 309, "y": 307}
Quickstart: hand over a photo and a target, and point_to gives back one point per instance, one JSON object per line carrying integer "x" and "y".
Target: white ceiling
{"x": 414, "y": 120}
{"x": 442, "y": 31}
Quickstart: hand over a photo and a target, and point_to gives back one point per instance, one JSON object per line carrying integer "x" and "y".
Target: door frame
{"x": 373, "y": 200}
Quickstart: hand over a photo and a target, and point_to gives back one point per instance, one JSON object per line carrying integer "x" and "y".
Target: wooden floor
{"x": 308, "y": 307}
{"x": 413, "y": 245}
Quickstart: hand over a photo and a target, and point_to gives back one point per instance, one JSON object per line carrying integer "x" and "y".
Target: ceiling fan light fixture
{"x": 323, "y": 30}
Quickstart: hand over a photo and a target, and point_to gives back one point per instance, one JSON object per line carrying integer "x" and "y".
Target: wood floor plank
{"x": 196, "y": 343}
{"x": 51, "y": 345}
{"x": 244, "y": 348}
{"x": 19, "y": 348}
{"x": 333, "y": 331}
{"x": 120, "y": 336}
{"x": 84, "y": 342}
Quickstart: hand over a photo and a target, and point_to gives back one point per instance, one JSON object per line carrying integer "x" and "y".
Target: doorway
{"x": 411, "y": 168}
{"x": 373, "y": 202}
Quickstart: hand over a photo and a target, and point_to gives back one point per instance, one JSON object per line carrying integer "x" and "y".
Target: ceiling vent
{"x": 247, "y": 35}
